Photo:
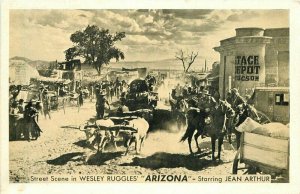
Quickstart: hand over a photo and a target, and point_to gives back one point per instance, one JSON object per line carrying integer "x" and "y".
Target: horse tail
{"x": 189, "y": 132}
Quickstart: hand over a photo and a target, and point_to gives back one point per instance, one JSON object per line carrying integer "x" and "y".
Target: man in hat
{"x": 206, "y": 103}
{"x": 100, "y": 105}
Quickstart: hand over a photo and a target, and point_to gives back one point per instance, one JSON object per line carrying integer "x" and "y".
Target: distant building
{"x": 21, "y": 72}
{"x": 142, "y": 71}
{"x": 70, "y": 70}
{"x": 254, "y": 57}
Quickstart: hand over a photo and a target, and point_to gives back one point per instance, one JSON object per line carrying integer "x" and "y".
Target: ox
{"x": 141, "y": 126}
{"x": 98, "y": 133}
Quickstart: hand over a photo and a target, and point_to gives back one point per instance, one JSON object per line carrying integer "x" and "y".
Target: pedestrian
{"x": 100, "y": 105}
{"x": 39, "y": 108}
{"x": 13, "y": 112}
{"x": 80, "y": 97}
{"x": 46, "y": 104}
{"x": 21, "y": 106}
{"x": 28, "y": 120}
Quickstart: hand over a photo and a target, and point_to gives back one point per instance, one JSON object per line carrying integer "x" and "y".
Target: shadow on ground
{"x": 168, "y": 160}
{"x": 65, "y": 158}
{"x": 84, "y": 144}
{"x": 100, "y": 158}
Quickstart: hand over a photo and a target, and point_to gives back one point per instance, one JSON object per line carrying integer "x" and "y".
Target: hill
{"x": 160, "y": 64}
{"x": 37, "y": 64}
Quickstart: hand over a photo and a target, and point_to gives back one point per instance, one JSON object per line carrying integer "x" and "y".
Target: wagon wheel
{"x": 263, "y": 118}
{"x": 241, "y": 168}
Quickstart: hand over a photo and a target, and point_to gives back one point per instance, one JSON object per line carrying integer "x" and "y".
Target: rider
{"x": 206, "y": 104}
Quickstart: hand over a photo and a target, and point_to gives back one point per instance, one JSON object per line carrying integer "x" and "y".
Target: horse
{"x": 211, "y": 121}
{"x": 244, "y": 111}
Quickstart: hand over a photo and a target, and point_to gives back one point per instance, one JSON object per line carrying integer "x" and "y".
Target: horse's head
{"x": 252, "y": 113}
{"x": 182, "y": 105}
{"x": 226, "y": 109}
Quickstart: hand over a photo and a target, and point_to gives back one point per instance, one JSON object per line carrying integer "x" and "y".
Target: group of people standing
{"x": 24, "y": 115}
{"x": 23, "y": 120}
{"x": 105, "y": 91}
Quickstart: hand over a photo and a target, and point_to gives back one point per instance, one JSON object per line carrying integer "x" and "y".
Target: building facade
{"x": 254, "y": 57}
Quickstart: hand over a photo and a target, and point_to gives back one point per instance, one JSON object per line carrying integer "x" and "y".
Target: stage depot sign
{"x": 247, "y": 68}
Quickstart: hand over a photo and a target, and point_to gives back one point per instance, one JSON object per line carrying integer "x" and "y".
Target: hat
{"x": 235, "y": 91}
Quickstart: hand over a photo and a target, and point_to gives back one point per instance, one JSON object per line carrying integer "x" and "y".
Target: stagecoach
{"x": 139, "y": 96}
{"x": 272, "y": 102}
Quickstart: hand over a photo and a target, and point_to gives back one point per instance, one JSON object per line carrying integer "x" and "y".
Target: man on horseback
{"x": 206, "y": 104}
{"x": 216, "y": 124}
{"x": 210, "y": 119}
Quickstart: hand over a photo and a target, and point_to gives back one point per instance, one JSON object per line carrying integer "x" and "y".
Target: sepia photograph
{"x": 159, "y": 95}
{"x": 148, "y": 95}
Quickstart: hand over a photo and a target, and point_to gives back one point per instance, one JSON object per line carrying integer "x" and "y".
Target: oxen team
{"x": 104, "y": 131}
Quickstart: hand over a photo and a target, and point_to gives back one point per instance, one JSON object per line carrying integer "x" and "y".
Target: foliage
{"x": 96, "y": 46}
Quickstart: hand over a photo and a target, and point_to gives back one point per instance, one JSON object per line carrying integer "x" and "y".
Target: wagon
{"x": 263, "y": 154}
{"x": 272, "y": 103}
{"x": 139, "y": 96}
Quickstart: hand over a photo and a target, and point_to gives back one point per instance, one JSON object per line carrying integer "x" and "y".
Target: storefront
{"x": 254, "y": 57}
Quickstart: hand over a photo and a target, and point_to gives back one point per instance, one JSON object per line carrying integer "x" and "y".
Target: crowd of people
{"x": 105, "y": 91}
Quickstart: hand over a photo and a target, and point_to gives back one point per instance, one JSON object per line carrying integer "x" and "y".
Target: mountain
{"x": 159, "y": 64}
{"x": 37, "y": 64}
{"x": 20, "y": 59}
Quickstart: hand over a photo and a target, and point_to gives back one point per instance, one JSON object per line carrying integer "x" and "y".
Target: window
{"x": 282, "y": 99}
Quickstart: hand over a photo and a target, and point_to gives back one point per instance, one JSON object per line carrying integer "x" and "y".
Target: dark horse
{"x": 243, "y": 110}
{"x": 213, "y": 121}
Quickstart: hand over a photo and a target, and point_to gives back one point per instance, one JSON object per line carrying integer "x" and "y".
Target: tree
{"x": 96, "y": 46}
{"x": 186, "y": 59}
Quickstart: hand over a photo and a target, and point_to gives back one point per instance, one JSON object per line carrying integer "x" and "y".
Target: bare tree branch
{"x": 181, "y": 58}
{"x": 192, "y": 59}
{"x": 186, "y": 59}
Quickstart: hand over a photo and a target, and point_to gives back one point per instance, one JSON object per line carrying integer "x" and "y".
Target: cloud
{"x": 139, "y": 40}
{"x": 150, "y": 34}
{"x": 188, "y": 14}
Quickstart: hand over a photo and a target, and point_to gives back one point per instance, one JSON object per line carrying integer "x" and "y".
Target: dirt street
{"x": 61, "y": 149}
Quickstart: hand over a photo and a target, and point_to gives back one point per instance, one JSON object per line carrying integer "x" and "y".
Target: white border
{"x": 292, "y": 187}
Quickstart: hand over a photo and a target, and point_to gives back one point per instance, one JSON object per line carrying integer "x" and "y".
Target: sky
{"x": 150, "y": 34}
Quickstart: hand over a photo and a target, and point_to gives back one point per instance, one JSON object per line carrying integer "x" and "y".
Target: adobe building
{"x": 254, "y": 57}
{"x": 70, "y": 70}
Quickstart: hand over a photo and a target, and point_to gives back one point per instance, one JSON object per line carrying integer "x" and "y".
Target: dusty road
{"x": 61, "y": 150}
